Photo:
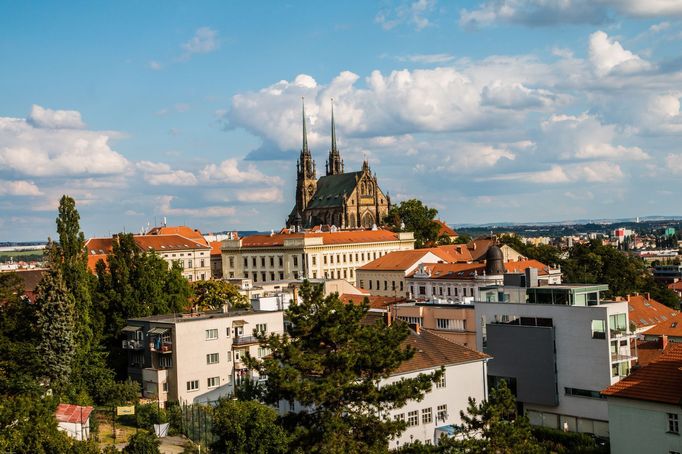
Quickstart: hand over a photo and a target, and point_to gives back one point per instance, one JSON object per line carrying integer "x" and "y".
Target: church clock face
{"x": 310, "y": 190}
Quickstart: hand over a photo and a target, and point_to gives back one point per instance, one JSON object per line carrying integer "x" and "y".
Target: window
{"x": 263, "y": 352}
{"x": 441, "y": 383}
{"x": 272, "y": 275}
{"x": 378, "y": 286}
{"x": 422, "y": 290}
{"x": 213, "y": 382}
{"x": 272, "y": 262}
{"x": 238, "y": 355}
{"x": 412, "y": 418}
{"x": 345, "y": 275}
{"x": 295, "y": 260}
{"x": 583, "y": 393}
{"x": 189, "y": 263}
{"x": 385, "y": 285}
{"x": 192, "y": 385}
{"x": 331, "y": 258}
{"x": 370, "y": 285}
{"x": 618, "y": 324}
{"x": 399, "y": 417}
{"x": 450, "y": 324}
{"x": 401, "y": 286}
{"x": 344, "y": 258}
{"x": 314, "y": 260}
{"x": 262, "y": 262}
{"x": 427, "y": 415}
{"x": 673, "y": 423}
{"x": 598, "y": 329}
{"x": 246, "y": 262}
{"x": 211, "y": 334}
{"x": 261, "y": 327}
{"x": 324, "y": 259}
{"x": 442, "y": 412}
{"x": 202, "y": 263}
{"x": 231, "y": 262}
{"x": 262, "y": 276}
{"x": 280, "y": 260}
{"x": 253, "y": 261}
{"x": 165, "y": 386}
{"x": 356, "y": 256}
{"x": 412, "y": 320}
{"x": 212, "y": 358}
{"x": 255, "y": 277}
{"x": 363, "y": 256}
{"x": 281, "y": 275}
{"x": 165, "y": 362}
{"x": 229, "y": 356}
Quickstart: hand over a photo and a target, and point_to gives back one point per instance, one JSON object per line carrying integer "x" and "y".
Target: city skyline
{"x": 519, "y": 110}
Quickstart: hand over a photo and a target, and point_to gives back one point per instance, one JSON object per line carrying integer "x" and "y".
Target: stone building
{"x": 346, "y": 200}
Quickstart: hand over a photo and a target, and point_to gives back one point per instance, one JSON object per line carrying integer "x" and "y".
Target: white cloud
{"x": 174, "y": 178}
{"x": 155, "y": 65}
{"x": 165, "y": 208}
{"x": 266, "y": 195}
{"x": 656, "y": 28}
{"x": 607, "y": 55}
{"x": 19, "y": 188}
{"x": 466, "y": 157}
{"x": 47, "y": 145}
{"x": 414, "y": 13}
{"x": 41, "y": 117}
{"x": 153, "y": 167}
{"x": 674, "y": 163}
{"x": 516, "y": 96}
{"x": 591, "y": 172}
{"x": 205, "y": 40}
{"x": 427, "y": 58}
{"x": 228, "y": 172}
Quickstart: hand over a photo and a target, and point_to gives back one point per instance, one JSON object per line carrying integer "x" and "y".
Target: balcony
{"x": 132, "y": 344}
{"x": 616, "y": 334}
{"x": 618, "y": 357}
{"x": 245, "y": 340}
{"x": 162, "y": 347}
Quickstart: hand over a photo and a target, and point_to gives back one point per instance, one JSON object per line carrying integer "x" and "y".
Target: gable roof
{"x": 182, "y": 230}
{"x": 401, "y": 260}
{"x": 375, "y": 302}
{"x": 330, "y": 189}
{"x": 72, "y": 413}
{"x": 339, "y": 237}
{"x": 644, "y": 311}
{"x": 657, "y": 382}
{"x": 452, "y": 270}
{"x": 445, "y": 230}
{"x": 215, "y": 247}
{"x": 671, "y": 327}
{"x": 457, "y": 252}
{"x": 521, "y": 265}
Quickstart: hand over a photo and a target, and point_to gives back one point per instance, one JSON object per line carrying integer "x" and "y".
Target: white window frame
{"x": 212, "y": 358}
{"x": 192, "y": 385}
{"x": 212, "y": 334}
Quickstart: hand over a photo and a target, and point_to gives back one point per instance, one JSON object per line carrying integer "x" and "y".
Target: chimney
{"x": 648, "y": 295}
{"x": 628, "y": 297}
{"x": 531, "y": 277}
{"x": 663, "y": 342}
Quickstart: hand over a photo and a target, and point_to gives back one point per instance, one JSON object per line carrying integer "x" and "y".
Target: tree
{"x": 244, "y": 427}
{"x": 331, "y": 361}
{"x": 493, "y": 426}
{"x": 413, "y": 216}
{"x": 28, "y": 425}
{"x": 143, "y": 443}
{"x": 214, "y": 293}
{"x": 55, "y": 325}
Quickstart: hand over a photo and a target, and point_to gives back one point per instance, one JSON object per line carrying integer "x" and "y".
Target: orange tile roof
{"x": 671, "y": 327}
{"x": 659, "y": 381}
{"x": 645, "y": 312}
{"x": 649, "y": 351}
{"x": 401, "y": 260}
{"x": 72, "y": 413}
{"x": 215, "y": 247}
{"x": 445, "y": 229}
{"x": 521, "y": 265}
{"x": 182, "y": 230}
{"x": 457, "y": 252}
{"x": 341, "y": 237}
{"x": 375, "y": 302}
{"x": 479, "y": 247}
{"x": 452, "y": 270}
{"x": 675, "y": 286}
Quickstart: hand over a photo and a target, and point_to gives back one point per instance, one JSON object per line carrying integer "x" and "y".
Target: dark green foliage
{"x": 418, "y": 218}
{"x": 562, "y": 442}
{"x": 143, "y": 443}
{"x": 55, "y": 328}
{"x": 493, "y": 426}
{"x": 149, "y": 414}
{"x": 211, "y": 295}
{"x": 28, "y": 425}
{"x": 244, "y": 427}
{"x": 332, "y": 361}
{"x": 549, "y": 255}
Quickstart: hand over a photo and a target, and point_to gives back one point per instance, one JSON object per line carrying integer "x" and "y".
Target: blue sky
{"x": 505, "y": 110}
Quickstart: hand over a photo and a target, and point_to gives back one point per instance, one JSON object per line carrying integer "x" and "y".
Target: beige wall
{"x": 383, "y": 283}
{"x": 460, "y": 326}
{"x": 196, "y": 264}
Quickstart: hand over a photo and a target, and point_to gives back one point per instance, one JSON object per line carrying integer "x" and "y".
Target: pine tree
{"x": 331, "y": 362}
{"x": 55, "y": 323}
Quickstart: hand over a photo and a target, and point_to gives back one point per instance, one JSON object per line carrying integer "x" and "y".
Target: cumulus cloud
{"x": 165, "y": 208}
{"x": 546, "y": 13}
{"x": 467, "y": 157}
{"x": 47, "y": 144}
{"x": 228, "y": 172}
{"x": 266, "y": 195}
{"x": 205, "y": 40}
{"x": 415, "y": 13}
{"x": 592, "y": 172}
{"x": 607, "y": 56}
{"x": 516, "y": 96}
{"x": 174, "y": 178}
{"x": 19, "y": 188}
{"x": 427, "y": 59}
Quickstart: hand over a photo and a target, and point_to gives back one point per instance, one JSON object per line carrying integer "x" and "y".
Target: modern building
{"x": 557, "y": 352}
{"x": 345, "y": 200}
{"x": 308, "y": 255}
{"x": 193, "y": 257}
{"x": 668, "y": 274}
{"x": 195, "y": 357}
{"x": 644, "y": 408}
{"x": 386, "y": 275}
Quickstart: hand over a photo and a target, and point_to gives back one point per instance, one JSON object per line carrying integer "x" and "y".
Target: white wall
{"x": 641, "y": 427}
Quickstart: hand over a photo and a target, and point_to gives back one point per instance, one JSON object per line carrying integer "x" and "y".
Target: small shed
{"x": 74, "y": 420}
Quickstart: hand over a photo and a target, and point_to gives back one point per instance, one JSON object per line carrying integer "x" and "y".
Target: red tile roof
{"x": 182, "y": 230}
{"x": 401, "y": 260}
{"x": 457, "y": 252}
{"x": 671, "y": 327}
{"x": 375, "y": 302}
{"x": 660, "y": 381}
{"x": 521, "y": 265}
{"x": 675, "y": 286}
{"x": 341, "y": 237}
{"x": 215, "y": 247}
{"x": 445, "y": 230}
{"x": 72, "y": 413}
{"x": 452, "y": 270}
{"x": 649, "y": 351}
{"x": 644, "y": 311}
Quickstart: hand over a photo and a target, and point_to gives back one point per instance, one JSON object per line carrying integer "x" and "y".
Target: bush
{"x": 143, "y": 443}
{"x": 568, "y": 442}
{"x": 150, "y": 414}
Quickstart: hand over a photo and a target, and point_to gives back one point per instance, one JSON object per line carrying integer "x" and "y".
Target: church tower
{"x": 306, "y": 179}
{"x": 334, "y": 165}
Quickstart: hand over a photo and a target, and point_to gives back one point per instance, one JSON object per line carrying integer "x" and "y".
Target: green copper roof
{"x": 330, "y": 189}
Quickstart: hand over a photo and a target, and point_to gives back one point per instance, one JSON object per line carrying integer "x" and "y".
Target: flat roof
{"x": 189, "y": 317}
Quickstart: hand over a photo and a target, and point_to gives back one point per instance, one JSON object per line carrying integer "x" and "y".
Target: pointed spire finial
{"x": 333, "y": 130}
{"x": 304, "y": 149}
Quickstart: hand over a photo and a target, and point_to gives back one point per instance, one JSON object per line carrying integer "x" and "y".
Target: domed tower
{"x": 494, "y": 261}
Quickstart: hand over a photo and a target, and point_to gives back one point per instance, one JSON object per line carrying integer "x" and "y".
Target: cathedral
{"x": 345, "y": 200}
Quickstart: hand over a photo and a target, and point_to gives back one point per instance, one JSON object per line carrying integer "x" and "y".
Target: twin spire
{"x": 334, "y": 164}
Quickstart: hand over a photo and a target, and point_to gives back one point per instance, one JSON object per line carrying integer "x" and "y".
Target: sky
{"x": 489, "y": 111}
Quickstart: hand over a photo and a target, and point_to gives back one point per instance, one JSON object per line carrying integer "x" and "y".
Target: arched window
{"x": 367, "y": 220}
{"x": 351, "y": 221}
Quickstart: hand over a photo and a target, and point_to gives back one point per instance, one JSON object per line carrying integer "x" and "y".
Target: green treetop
{"x": 413, "y": 216}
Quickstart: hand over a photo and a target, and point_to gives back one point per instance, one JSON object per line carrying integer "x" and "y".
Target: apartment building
{"x": 193, "y": 257}
{"x": 557, "y": 352}
{"x": 309, "y": 255}
{"x": 195, "y": 357}
{"x": 455, "y": 322}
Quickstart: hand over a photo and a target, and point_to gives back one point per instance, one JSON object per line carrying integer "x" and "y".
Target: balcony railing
{"x": 132, "y": 344}
{"x": 244, "y": 340}
{"x": 165, "y": 347}
{"x": 617, "y": 357}
{"x": 621, "y": 334}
